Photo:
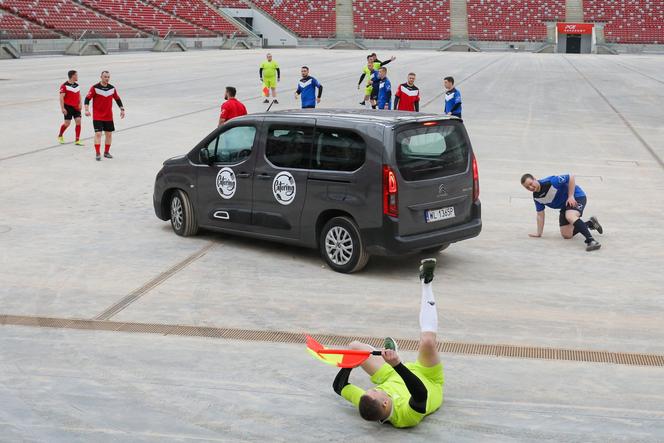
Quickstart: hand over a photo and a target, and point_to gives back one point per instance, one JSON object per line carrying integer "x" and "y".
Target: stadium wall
{"x": 59, "y": 46}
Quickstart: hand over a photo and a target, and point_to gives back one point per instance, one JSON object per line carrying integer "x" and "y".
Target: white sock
{"x": 428, "y": 311}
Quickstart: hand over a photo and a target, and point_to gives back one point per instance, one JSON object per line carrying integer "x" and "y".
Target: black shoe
{"x": 592, "y": 245}
{"x": 275, "y": 101}
{"x": 363, "y": 103}
{"x": 426, "y": 269}
{"x": 266, "y": 101}
{"x": 594, "y": 225}
{"x": 98, "y": 157}
{"x": 107, "y": 155}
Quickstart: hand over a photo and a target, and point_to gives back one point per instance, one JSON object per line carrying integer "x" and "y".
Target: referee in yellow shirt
{"x": 269, "y": 74}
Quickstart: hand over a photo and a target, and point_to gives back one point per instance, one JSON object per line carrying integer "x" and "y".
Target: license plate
{"x": 434, "y": 215}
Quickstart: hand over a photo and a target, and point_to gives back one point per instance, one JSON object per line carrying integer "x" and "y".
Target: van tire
{"x": 345, "y": 229}
{"x": 436, "y": 249}
{"x": 183, "y": 216}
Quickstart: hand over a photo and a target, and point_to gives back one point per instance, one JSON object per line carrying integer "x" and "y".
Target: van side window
{"x": 338, "y": 150}
{"x": 232, "y": 146}
{"x": 289, "y": 146}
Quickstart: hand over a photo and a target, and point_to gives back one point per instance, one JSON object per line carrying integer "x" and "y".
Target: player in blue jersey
{"x": 384, "y": 98}
{"x": 561, "y": 192}
{"x": 306, "y": 90}
{"x": 452, "y": 98}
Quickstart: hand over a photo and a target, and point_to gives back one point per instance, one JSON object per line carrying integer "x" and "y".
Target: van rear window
{"x": 425, "y": 152}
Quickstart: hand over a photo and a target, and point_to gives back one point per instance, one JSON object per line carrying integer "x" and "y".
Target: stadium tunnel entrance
{"x": 575, "y": 38}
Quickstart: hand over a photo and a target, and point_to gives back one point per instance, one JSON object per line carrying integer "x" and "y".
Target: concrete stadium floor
{"x": 77, "y": 237}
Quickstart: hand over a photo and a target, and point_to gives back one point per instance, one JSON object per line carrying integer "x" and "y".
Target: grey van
{"x": 351, "y": 183}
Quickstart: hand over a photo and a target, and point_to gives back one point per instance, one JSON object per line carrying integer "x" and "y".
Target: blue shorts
{"x": 381, "y": 105}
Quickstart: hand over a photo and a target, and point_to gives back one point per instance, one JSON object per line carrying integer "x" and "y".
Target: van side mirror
{"x": 205, "y": 157}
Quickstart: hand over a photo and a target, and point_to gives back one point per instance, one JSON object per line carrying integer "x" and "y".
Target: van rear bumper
{"x": 386, "y": 241}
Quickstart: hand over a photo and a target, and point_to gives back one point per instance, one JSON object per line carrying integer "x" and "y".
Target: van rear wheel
{"x": 341, "y": 246}
{"x": 183, "y": 217}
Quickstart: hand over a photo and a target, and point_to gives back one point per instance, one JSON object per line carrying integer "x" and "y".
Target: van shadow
{"x": 384, "y": 267}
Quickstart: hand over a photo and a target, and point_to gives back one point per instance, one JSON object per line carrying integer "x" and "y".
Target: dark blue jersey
{"x": 306, "y": 87}
{"x": 554, "y": 192}
{"x": 375, "y": 80}
{"x": 385, "y": 94}
{"x": 453, "y": 102}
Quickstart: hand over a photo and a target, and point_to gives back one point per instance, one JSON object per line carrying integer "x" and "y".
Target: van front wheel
{"x": 183, "y": 218}
{"x": 341, "y": 246}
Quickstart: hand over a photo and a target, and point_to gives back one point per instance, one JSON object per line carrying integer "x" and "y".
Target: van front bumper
{"x": 386, "y": 241}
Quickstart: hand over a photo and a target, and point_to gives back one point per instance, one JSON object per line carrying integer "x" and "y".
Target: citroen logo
{"x": 442, "y": 192}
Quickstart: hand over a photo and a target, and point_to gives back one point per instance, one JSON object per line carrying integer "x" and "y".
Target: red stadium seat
{"x": 628, "y": 21}
{"x": 512, "y": 20}
{"x": 14, "y": 27}
{"x": 199, "y": 13}
{"x": 237, "y": 4}
{"x": 309, "y": 19}
{"x": 402, "y": 19}
{"x": 68, "y": 18}
{"x": 148, "y": 18}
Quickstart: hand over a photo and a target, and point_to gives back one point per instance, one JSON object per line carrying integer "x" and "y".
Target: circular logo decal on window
{"x": 283, "y": 188}
{"x": 226, "y": 183}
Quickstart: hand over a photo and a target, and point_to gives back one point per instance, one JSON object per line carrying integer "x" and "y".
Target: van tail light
{"x": 476, "y": 180}
{"x": 390, "y": 192}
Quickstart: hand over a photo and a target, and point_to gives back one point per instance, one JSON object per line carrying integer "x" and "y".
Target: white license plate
{"x": 434, "y": 215}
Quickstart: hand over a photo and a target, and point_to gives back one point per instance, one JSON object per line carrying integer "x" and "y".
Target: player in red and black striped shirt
{"x": 102, "y": 95}
{"x": 70, "y": 106}
{"x": 407, "y": 96}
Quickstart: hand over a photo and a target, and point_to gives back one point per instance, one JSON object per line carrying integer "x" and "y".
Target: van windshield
{"x": 425, "y": 152}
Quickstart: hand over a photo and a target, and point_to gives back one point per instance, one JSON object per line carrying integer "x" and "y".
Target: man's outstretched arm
{"x": 418, "y": 392}
{"x": 348, "y": 391}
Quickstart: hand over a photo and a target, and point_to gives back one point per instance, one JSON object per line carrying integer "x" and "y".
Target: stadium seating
{"x": 148, "y": 18}
{"x": 67, "y": 17}
{"x": 12, "y": 27}
{"x": 237, "y": 4}
{"x": 512, "y": 20}
{"x": 628, "y": 21}
{"x": 199, "y": 13}
{"x": 312, "y": 19}
{"x": 402, "y": 19}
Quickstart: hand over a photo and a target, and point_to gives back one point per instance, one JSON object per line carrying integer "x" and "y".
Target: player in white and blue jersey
{"x": 561, "y": 192}
{"x": 306, "y": 90}
{"x": 384, "y": 98}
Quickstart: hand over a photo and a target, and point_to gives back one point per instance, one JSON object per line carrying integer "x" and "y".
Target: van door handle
{"x": 243, "y": 175}
{"x": 264, "y": 176}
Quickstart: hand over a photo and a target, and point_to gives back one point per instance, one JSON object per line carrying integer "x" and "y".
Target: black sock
{"x": 576, "y": 230}
{"x": 582, "y": 227}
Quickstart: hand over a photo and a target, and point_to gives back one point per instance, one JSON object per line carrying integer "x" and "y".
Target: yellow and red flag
{"x": 266, "y": 91}
{"x": 343, "y": 358}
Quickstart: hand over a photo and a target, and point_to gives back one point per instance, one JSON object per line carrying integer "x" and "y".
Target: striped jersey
{"x": 102, "y": 101}
{"x": 408, "y": 96}
{"x": 554, "y": 192}
{"x": 72, "y": 92}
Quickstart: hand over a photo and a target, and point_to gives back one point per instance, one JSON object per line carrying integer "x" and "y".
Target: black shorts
{"x": 72, "y": 112}
{"x": 103, "y": 126}
{"x": 374, "y": 94}
{"x": 581, "y": 205}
